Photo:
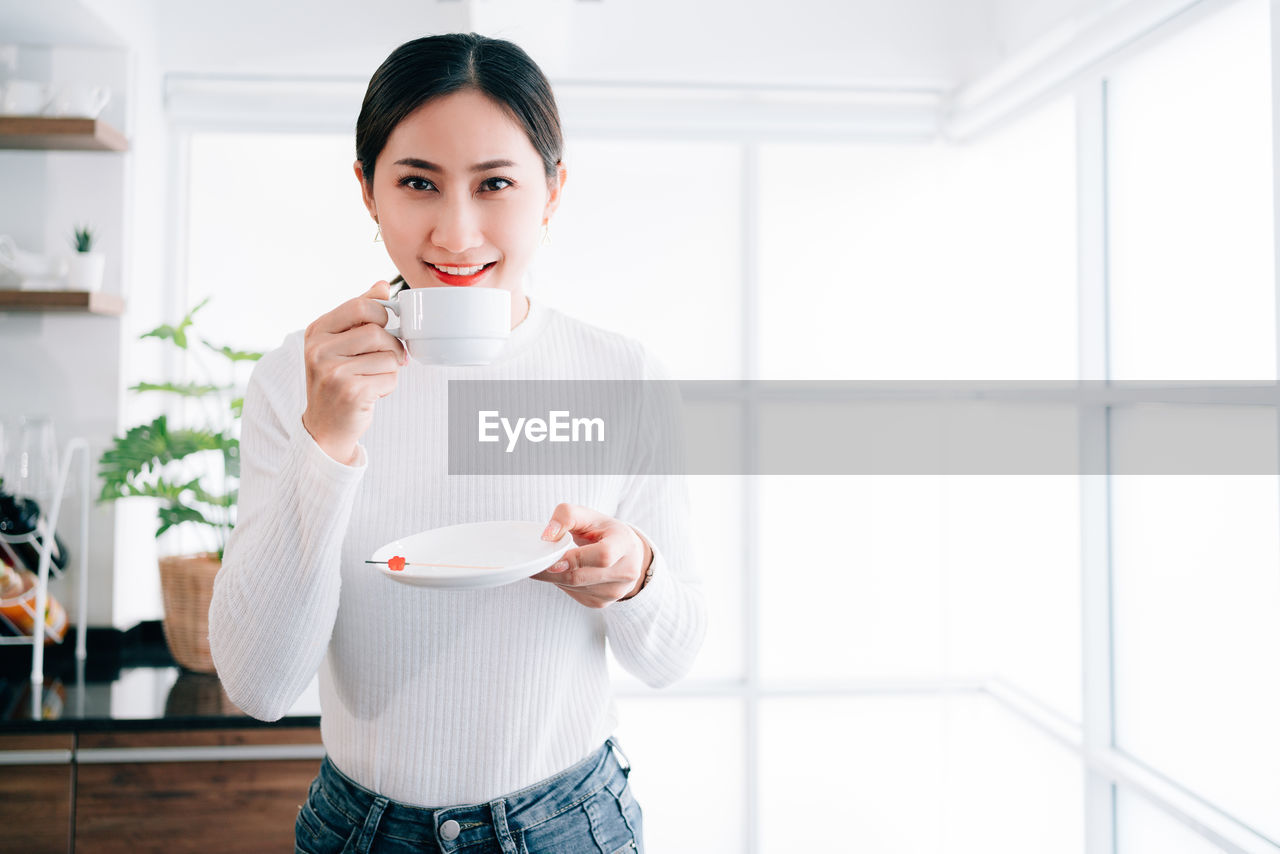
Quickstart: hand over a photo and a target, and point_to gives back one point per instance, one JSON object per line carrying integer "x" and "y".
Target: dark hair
{"x": 432, "y": 66}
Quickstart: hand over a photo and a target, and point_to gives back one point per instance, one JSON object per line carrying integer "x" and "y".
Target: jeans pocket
{"x": 615, "y": 826}
{"x": 631, "y": 807}
{"x": 570, "y": 830}
{"x": 633, "y": 815}
{"x": 314, "y": 835}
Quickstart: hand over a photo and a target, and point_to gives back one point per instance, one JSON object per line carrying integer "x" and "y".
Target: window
{"x": 1143, "y": 829}
{"x": 648, "y": 242}
{"x": 1189, "y": 155}
{"x": 1196, "y": 594}
{"x": 921, "y": 261}
{"x": 277, "y": 234}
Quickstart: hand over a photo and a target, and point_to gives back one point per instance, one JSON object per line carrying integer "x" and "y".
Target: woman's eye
{"x": 495, "y": 184}
{"x": 413, "y": 182}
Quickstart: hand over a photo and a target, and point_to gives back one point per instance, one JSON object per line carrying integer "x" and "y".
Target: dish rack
{"x": 46, "y": 567}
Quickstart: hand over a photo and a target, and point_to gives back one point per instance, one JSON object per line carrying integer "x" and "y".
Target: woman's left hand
{"x": 610, "y": 563}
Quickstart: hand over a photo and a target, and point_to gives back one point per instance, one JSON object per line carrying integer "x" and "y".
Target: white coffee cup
{"x": 79, "y": 100}
{"x": 452, "y": 325}
{"x": 24, "y": 98}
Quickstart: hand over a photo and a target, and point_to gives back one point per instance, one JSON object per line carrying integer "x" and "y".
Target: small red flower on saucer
{"x": 396, "y": 563}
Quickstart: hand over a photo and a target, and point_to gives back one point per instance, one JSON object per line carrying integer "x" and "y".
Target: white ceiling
{"x": 930, "y": 44}
{"x": 49, "y": 21}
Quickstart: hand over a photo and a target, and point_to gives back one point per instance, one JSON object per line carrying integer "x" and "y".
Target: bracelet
{"x": 648, "y": 573}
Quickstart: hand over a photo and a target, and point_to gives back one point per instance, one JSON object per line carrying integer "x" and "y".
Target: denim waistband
{"x": 519, "y": 810}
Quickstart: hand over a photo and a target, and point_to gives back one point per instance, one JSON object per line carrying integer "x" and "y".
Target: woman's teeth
{"x": 460, "y": 271}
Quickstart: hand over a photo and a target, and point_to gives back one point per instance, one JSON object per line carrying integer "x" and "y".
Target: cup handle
{"x": 394, "y": 308}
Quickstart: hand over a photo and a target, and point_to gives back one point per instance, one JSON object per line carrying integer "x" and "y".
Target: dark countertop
{"x": 128, "y": 682}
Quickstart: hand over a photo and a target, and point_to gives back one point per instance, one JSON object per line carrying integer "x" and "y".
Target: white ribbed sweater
{"x": 438, "y": 697}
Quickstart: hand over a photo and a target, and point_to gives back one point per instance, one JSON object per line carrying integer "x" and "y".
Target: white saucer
{"x": 507, "y": 551}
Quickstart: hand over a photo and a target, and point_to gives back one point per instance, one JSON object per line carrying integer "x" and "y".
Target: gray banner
{"x": 806, "y": 428}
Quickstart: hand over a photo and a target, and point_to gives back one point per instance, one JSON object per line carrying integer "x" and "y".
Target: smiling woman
{"x": 464, "y": 165}
{"x": 454, "y": 220}
{"x": 497, "y": 699}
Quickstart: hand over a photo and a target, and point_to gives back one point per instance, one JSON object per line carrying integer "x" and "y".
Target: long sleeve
{"x": 431, "y": 695}
{"x": 656, "y": 634}
{"x": 275, "y": 598}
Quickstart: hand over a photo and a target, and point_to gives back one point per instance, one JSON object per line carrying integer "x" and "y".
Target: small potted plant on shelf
{"x": 194, "y": 472}
{"x": 86, "y": 265}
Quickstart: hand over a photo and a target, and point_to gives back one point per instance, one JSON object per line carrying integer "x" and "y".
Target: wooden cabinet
{"x": 212, "y": 790}
{"x": 225, "y": 790}
{"x": 36, "y": 787}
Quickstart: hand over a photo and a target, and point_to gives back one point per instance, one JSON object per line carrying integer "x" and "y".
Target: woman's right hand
{"x": 352, "y": 361}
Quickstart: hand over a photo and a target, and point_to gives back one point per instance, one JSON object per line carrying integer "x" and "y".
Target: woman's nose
{"x": 458, "y": 228}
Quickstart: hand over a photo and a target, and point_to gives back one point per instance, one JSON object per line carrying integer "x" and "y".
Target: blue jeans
{"x": 586, "y": 808}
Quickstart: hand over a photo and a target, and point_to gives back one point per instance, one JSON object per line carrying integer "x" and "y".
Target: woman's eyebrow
{"x": 428, "y": 166}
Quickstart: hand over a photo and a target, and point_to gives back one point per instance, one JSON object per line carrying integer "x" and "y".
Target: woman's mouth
{"x": 460, "y": 276}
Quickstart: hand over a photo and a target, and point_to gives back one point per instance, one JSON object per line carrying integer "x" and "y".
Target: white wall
{"x": 150, "y": 301}
{"x": 67, "y": 365}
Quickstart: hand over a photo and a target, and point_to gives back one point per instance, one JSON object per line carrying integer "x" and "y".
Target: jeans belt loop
{"x": 498, "y": 809}
{"x": 370, "y": 827}
{"x": 622, "y": 757}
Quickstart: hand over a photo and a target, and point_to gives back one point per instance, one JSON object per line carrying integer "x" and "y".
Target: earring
{"x": 546, "y": 235}
{"x": 377, "y": 238}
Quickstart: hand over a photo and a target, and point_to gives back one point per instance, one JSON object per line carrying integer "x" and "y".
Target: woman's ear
{"x": 554, "y": 187}
{"x": 366, "y": 191}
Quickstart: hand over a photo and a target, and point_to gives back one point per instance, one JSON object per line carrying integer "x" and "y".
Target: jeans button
{"x": 449, "y": 830}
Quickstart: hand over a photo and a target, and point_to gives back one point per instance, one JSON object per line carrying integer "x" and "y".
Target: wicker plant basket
{"x": 186, "y": 582}
{"x": 198, "y": 695}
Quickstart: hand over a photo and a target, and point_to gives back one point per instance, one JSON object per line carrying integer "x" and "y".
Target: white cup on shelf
{"x": 77, "y": 100}
{"x": 23, "y": 97}
{"x": 29, "y": 271}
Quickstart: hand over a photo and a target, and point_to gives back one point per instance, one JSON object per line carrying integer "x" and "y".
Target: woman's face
{"x": 461, "y": 195}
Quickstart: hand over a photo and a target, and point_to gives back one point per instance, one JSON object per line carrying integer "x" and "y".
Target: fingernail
{"x": 561, "y": 566}
{"x": 552, "y": 532}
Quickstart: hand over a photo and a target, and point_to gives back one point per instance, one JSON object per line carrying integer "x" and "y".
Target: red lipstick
{"x": 460, "y": 281}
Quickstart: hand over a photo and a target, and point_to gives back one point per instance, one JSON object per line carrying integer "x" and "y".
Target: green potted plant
{"x": 86, "y": 265}
{"x": 193, "y": 471}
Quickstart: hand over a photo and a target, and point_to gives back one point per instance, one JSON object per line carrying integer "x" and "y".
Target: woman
{"x": 452, "y": 719}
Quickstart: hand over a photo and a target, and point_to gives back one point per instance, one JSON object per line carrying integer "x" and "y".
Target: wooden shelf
{"x": 52, "y": 134}
{"x": 91, "y": 302}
